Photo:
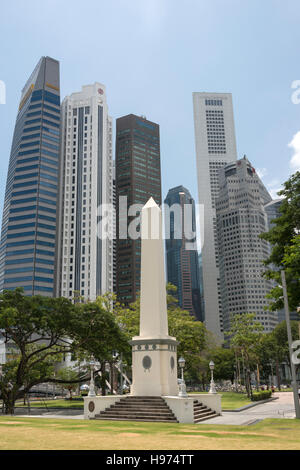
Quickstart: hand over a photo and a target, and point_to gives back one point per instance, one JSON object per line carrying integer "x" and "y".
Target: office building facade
{"x": 27, "y": 252}
{"x": 85, "y": 254}
{"x": 241, "y": 218}
{"x": 138, "y": 177}
{"x": 215, "y": 147}
{"x": 182, "y": 261}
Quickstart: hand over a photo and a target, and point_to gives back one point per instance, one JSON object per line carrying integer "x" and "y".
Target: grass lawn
{"x": 53, "y": 404}
{"x": 233, "y": 400}
{"x": 69, "y": 434}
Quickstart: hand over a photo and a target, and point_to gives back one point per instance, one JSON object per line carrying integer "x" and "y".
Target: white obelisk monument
{"x": 154, "y": 352}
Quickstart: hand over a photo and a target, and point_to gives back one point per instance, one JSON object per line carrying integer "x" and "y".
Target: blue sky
{"x": 152, "y": 54}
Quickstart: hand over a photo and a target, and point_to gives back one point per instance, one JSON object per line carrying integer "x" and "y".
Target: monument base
{"x": 182, "y": 408}
{"x": 154, "y": 366}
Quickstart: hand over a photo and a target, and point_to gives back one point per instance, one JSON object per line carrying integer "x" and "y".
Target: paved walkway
{"x": 283, "y": 407}
{"x": 66, "y": 414}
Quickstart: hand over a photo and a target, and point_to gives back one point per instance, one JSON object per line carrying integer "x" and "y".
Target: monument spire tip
{"x": 150, "y": 203}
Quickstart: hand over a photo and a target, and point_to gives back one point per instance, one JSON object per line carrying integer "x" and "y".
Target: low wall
{"x": 93, "y": 405}
{"x": 212, "y": 400}
{"x": 183, "y": 408}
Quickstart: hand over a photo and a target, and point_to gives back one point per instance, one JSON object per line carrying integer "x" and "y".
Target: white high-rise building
{"x": 85, "y": 259}
{"x": 215, "y": 147}
{"x": 241, "y": 218}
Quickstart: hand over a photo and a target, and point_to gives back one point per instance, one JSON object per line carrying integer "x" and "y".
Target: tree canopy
{"x": 40, "y": 331}
{"x": 190, "y": 333}
{"x": 285, "y": 240}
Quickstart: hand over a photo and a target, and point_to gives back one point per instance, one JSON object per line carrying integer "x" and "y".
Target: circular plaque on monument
{"x": 147, "y": 362}
{"x": 172, "y": 362}
{"x": 91, "y": 406}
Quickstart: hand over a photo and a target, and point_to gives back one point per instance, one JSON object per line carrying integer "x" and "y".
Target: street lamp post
{"x": 249, "y": 382}
{"x": 272, "y": 375}
{"x": 212, "y": 383}
{"x": 121, "y": 375}
{"x": 290, "y": 340}
{"x": 92, "y": 383}
{"x": 182, "y": 387}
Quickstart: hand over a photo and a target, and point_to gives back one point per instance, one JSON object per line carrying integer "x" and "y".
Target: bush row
{"x": 262, "y": 395}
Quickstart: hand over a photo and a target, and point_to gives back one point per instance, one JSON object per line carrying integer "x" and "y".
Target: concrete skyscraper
{"x": 85, "y": 256}
{"x": 241, "y": 218}
{"x": 138, "y": 177}
{"x": 215, "y": 147}
{"x": 182, "y": 262}
{"x": 27, "y": 253}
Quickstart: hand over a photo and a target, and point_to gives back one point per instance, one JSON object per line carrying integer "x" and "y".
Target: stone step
{"x": 144, "y": 400}
{"x": 130, "y": 406}
{"x": 200, "y": 407}
{"x": 213, "y": 415}
{"x": 205, "y": 408}
{"x": 136, "y": 419}
{"x": 203, "y": 413}
{"x": 142, "y": 403}
{"x": 135, "y": 413}
{"x": 144, "y": 397}
{"x": 140, "y": 410}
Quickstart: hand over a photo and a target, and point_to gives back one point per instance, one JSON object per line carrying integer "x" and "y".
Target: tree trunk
{"x": 111, "y": 378}
{"x": 9, "y": 404}
{"x": 247, "y": 387}
{"x": 278, "y": 376}
{"x": 103, "y": 384}
{"x": 257, "y": 378}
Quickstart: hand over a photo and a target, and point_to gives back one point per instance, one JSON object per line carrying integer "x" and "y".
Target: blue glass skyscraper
{"x": 182, "y": 263}
{"x": 27, "y": 251}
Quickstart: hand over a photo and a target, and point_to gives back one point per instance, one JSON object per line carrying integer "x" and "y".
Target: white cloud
{"x": 295, "y": 145}
{"x": 273, "y": 192}
{"x": 273, "y": 187}
{"x": 261, "y": 172}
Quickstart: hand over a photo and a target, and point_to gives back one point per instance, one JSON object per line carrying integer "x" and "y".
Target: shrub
{"x": 262, "y": 395}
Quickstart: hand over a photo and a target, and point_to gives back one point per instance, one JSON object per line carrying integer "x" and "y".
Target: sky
{"x": 152, "y": 55}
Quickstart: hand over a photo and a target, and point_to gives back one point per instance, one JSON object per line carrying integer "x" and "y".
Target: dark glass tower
{"x": 182, "y": 263}
{"x": 27, "y": 252}
{"x": 138, "y": 177}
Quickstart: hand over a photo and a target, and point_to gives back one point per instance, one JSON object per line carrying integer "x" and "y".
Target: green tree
{"x": 245, "y": 336}
{"x": 274, "y": 349}
{"x": 40, "y": 331}
{"x": 224, "y": 360}
{"x": 280, "y": 341}
{"x": 285, "y": 241}
{"x": 69, "y": 378}
{"x": 190, "y": 333}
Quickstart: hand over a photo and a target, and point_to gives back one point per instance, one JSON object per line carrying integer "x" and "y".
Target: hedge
{"x": 262, "y": 395}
